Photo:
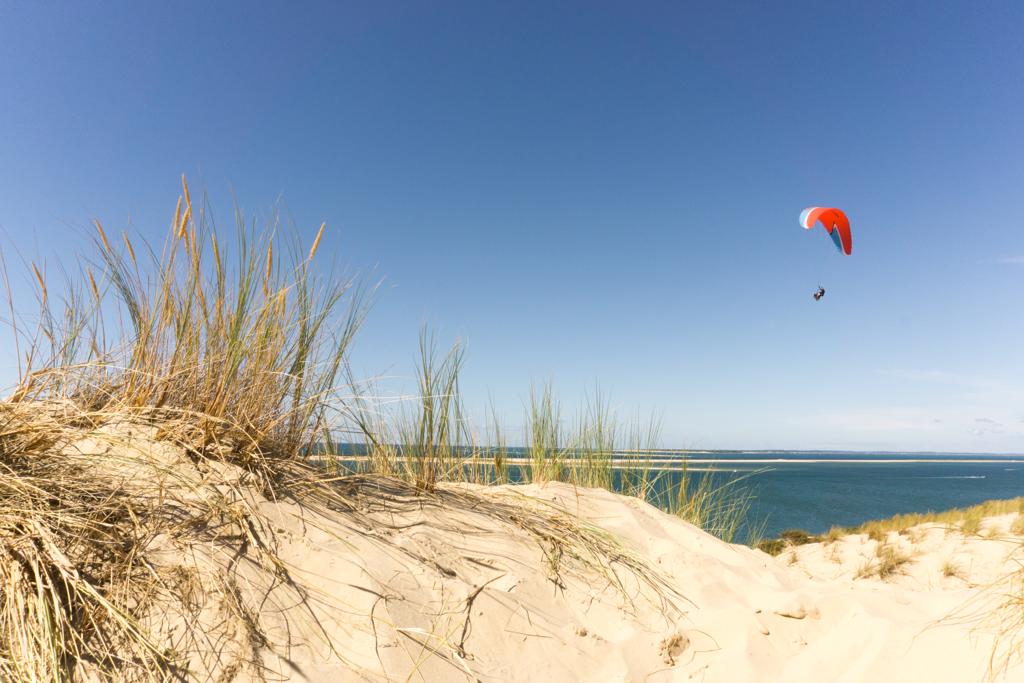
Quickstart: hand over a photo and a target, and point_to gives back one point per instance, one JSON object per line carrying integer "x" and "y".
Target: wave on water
{"x": 963, "y": 476}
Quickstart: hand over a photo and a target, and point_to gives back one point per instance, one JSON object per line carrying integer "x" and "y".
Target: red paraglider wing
{"x": 834, "y": 221}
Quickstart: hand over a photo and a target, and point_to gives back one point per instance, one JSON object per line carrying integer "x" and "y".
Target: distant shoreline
{"x": 871, "y": 461}
{"x": 665, "y": 463}
{"x": 727, "y": 451}
{"x": 762, "y": 453}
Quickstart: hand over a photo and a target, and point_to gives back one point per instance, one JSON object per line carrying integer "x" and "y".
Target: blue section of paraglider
{"x": 835, "y": 238}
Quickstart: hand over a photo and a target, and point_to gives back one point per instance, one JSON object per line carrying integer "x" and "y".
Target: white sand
{"x": 413, "y": 590}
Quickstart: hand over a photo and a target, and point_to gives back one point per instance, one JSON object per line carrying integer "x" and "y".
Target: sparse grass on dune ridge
{"x": 998, "y": 606}
{"x": 230, "y": 357}
{"x": 233, "y": 354}
{"x": 593, "y": 448}
{"x": 889, "y": 561}
{"x": 968, "y": 521}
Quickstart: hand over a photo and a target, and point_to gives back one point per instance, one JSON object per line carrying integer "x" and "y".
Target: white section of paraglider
{"x": 804, "y": 215}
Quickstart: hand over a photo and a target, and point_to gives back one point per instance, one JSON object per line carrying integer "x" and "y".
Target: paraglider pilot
{"x": 836, "y": 224}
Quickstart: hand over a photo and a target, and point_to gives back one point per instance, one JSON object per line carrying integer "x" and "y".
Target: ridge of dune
{"x": 534, "y": 582}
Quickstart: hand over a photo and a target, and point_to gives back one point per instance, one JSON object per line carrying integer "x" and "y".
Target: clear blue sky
{"x": 585, "y": 192}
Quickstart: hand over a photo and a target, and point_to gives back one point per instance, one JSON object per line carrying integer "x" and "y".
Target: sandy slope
{"x": 496, "y": 585}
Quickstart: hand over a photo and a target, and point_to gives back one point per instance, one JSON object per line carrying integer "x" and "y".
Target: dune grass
{"x": 231, "y": 355}
{"x": 970, "y": 525}
{"x": 789, "y": 538}
{"x": 252, "y": 339}
{"x": 968, "y": 521}
{"x": 426, "y": 437}
{"x": 889, "y": 561}
{"x": 951, "y": 569}
{"x": 834, "y": 534}
{"x": 718, "y": 503}
{"x": 592, "y": 448}
{"x": 234, "y": 351}
{"x": 55, "y": 519}
{"x": 497, "y": 453}
{"x": 1017, "y": 526}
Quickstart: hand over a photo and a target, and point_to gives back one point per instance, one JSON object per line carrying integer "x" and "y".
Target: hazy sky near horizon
{"x": 583, "y": 192}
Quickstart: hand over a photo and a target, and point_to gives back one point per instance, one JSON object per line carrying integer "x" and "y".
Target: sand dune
{"x": 540, "y": 583}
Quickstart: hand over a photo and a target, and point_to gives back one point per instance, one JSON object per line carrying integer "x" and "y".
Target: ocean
{"x": 817, "y": 490}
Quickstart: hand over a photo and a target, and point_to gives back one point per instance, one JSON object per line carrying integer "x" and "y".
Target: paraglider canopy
{"x": 834, "y": 221}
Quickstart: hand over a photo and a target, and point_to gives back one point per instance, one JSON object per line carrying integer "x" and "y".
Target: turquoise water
{"x": 816, "y": 496}
{"x": 817, "y": 490}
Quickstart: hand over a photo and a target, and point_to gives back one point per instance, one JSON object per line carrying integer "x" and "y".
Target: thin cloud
{"x": 987, "y": 421}
{"x": 986, "y": 393}
{"x": 892, "y": 419}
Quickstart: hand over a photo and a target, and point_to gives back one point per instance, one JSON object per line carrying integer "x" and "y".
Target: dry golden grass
{"x": 787, "y": 539}
{"x": 229, "y": 357}
{"x": 997, "y": 607}
{"x": 951, "y": 569}
{"x": 835, "y": 555}
{"x": 1017, "y": 526}
{"x": 80, "y": 510}
{"x": 964, "y": 520}
{"x": 57, "y": 519}
{"x": 252, "y": 339}
{"x": 953, "y": 517}
{"x": 834, "y": 534}
{"x": 970, "y": 525}
{"x": 889, "y": 561}
{"x": 231, "y": 353}
{"x": 866, "y": 570}
{"x": 428, "y": 440}
{"x": 1008, "y": 620}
